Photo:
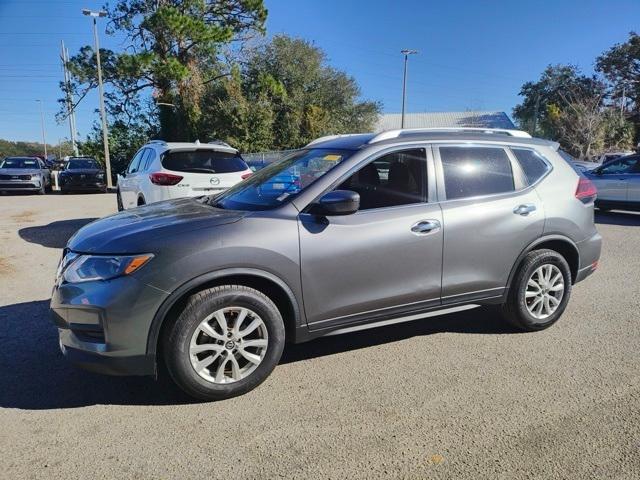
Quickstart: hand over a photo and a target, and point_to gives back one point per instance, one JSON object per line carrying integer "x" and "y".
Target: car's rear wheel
{"x": 224, "y": 343}
{"x": 540, "y": 291}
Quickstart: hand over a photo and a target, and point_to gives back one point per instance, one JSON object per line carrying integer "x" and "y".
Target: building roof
{"x": 482, "y": 119}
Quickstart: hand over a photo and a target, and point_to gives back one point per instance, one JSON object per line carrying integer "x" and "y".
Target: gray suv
{"x": 350, "y": 232}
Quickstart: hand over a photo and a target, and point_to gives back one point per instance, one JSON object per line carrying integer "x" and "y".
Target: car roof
{"x": 218, "y": 146}
{"x": 361, "y": 140}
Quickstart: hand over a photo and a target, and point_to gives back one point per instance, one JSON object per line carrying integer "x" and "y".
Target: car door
{"x": 384, "y": 259}
{"x": 127, "y": 184}
{"x": 489, "y": 215}
{"x": 633, "y": 184}
{"x": 612, "y": 178}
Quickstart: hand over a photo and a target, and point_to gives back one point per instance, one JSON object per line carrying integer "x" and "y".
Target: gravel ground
{"x": 460, "y": 396}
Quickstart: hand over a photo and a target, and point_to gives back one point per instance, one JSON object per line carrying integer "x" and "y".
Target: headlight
{"x": 86, "y": 268}
{"x": 36, "y": 176}
{"x": 100, "y": 176}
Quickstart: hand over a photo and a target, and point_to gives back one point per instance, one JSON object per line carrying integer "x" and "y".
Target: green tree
{"x": 172, "y": 50}
{"x": 552, "y": 88}
{"x": 621, "y": 67}
{"x": 284, "y": 96}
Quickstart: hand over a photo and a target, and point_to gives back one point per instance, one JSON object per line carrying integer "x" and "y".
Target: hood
{"x": 134, "y": 231}
{"x": 82, "y": 171}
{"x": 19, "y": 171}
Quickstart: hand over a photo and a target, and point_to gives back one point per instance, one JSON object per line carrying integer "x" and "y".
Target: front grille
{"x": 17, "y": 185}
{"x": 15, "y": 177}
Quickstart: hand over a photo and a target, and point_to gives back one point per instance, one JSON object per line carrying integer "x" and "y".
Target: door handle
{"x": 425, "y": 227}
{"x": 524, "y": 209}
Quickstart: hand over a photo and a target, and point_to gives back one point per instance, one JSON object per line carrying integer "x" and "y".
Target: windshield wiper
{"x": 199, "y": 170}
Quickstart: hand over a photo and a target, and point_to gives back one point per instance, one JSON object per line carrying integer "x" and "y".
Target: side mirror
{"x": 337, "y": 202}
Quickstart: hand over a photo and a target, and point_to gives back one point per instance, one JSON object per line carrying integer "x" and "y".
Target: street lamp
{"x": 105, "y": 132}
{"x": 406, "y": 53}
{"x": 44, "y": 141}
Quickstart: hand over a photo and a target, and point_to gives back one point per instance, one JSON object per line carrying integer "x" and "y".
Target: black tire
{"x": 141, "y": 202}
{"x": 515, "y": 309}
{"x": 43, "y": 189}
{"x": 177, "y": 338}
{"x": 119, "y": 201}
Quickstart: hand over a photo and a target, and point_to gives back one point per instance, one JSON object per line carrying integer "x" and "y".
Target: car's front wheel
{"x": 224, "y": 343}
{"x": 540, "y": 291}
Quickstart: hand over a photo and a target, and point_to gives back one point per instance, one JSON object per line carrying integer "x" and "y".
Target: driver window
{"x": 398, "y": 178}
{"x": 622, "y": 165}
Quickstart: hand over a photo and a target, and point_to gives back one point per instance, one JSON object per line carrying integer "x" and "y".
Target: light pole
{"x": 44, "y": 140}
{"x": 406, "y": 54}
{"x": 105, "y": 132}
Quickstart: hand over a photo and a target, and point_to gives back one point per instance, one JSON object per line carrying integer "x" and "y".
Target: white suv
{"x": 162, "y": 170}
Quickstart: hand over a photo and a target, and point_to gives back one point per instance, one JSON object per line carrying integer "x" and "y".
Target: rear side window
{"x": 203, "y": 161}
{"x": 133, "y": 166}
{"x": 532, "y": 163}
{"x": 474, "y": 171}
{"x": 145, "y": 162}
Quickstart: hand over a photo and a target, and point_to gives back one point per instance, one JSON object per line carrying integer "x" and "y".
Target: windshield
{"x": 19, "y": 163}
{"x": 281, "y": 181}
{"x": 81, "y": 164}
{"x": 204, "y": 160}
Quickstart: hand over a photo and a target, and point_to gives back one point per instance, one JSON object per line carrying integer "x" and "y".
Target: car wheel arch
{"x": 268, "y": 283}
{"x": 558, "y": 243}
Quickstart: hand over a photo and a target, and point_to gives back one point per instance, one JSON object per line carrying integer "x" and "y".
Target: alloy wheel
{"x": 228, "y": 345}
{"x": 544, "y": 292}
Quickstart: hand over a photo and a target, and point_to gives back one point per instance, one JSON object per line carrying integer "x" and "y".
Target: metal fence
{"x": 259, "y": 160}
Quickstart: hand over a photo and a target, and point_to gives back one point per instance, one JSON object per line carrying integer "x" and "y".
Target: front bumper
{"x": 22, "y": 186}
{"x": 589, "y": 253}
{"x": 103, "y": 326}
{"x": 89, "y": 186}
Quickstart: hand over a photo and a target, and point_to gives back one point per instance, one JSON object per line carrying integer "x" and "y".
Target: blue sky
{"x": 473, "y": 54}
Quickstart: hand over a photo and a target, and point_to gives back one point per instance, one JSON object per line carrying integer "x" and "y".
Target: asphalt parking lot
{"x": 460, "y": 396}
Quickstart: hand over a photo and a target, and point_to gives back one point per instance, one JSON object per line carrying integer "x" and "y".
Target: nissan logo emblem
{"x": 214, "y": 181}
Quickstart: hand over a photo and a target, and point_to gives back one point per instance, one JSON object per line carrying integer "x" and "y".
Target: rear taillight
{"x": 246, "y": 175}
{"x": 586, "y": 191}
{"x": 165, "y": 179}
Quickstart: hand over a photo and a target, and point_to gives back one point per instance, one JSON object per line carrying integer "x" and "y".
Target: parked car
{"x": 580, "y": 166}
{"x": 82, "y": 174}
{"x": 618, "y": 183}
{"x": 377, "y": 229}
{"x": 24, "y": 174}
{"x": 163, "y": 171}
{"x": 607, "y": 157}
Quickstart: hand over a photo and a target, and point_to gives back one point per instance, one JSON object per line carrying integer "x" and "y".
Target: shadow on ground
{"x": 55, "y": 234}
{"x": 627, "y": 219}
{"x": 36, "y": 376}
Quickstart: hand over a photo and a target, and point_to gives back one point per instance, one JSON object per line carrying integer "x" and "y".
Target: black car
{"x": 82, "y": 174}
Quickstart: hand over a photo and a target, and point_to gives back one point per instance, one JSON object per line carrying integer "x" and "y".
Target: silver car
{"x": 618, "y": 183}
{"x": 350, "y": 232}
{"x": 24, "y": 174}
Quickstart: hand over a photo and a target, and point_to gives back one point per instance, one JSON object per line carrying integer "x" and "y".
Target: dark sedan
{"x": 82, "y": 174}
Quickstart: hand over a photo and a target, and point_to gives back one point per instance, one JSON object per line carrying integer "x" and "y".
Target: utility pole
{"x": 69, "y": 100}
{"x": 44, "y": 140}
{"x": 406, "y": 54}
{"x": 105, "y": 131}
{"x": 622, "y": 101}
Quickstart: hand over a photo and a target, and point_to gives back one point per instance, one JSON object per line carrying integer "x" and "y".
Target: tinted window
{"x": 79, "y": 164}
{"x": 398, "y": 178}
{"x": 473, "y": 171}
{"x": 622, "y": 165}
{"x": 135, "y": 163}
{"x": 145, "y": 161}
{"x": 203, "y": 161}
{"x": 20, "y": 163}
{"x": 532, "y": 164}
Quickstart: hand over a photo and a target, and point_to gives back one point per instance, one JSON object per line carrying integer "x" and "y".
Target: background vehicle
{"x": 82, "y": 174}
{"x": 373, "y": 230}
{"x": 24, "y": 174}
{"x": 162, "y": 171}
{"x": 618, "y": 183}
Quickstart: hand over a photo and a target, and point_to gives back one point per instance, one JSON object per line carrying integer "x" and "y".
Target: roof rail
{"x": 331, "y": 137}
{"x": 159, "y": 142}
{"x": 388, "y": 134}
